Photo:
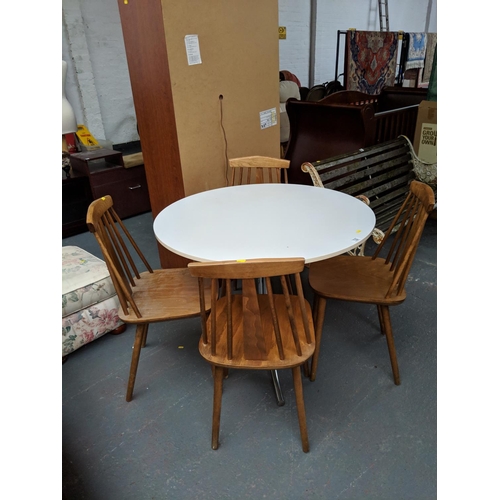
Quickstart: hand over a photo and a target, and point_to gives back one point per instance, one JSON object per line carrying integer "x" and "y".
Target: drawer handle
{"x": 135, "y": 187}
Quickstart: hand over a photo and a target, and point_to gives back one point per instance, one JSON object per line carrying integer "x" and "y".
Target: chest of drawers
{"x": 108, "y": 176}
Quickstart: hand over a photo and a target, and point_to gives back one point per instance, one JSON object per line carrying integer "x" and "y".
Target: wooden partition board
{"x": 239, "y": 52}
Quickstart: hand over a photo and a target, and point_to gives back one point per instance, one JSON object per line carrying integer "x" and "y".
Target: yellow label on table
{"x": 86, "y": 138}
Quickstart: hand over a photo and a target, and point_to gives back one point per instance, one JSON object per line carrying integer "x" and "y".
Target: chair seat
{"x": 253, "y": 351}
{"x": 163, "y": 295}
{"x": 359, "y": 279}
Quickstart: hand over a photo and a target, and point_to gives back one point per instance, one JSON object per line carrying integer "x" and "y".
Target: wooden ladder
{"x": 383, "y": 12}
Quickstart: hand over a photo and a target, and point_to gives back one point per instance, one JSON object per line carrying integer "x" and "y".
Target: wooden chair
{"x": 258, "y": 170}
{"x": 374, "y": 280}
{"x": 255, "y": 331}
{"x": 148, "y": 297}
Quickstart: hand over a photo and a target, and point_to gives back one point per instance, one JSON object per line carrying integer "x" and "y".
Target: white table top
{"x": 264, "y": 221}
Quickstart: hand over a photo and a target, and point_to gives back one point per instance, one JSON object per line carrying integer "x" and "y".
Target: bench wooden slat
{"x": 387, "y": 209}
{"x": 395, "y": 188}
{"x": 368, "y": 180}
{"x": 361, "y": 153}
{"x": 342, "y": 174}
{"x": 333, "y": 170}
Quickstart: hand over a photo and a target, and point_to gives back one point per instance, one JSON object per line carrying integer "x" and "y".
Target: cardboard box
{"x": 425, "y": 141}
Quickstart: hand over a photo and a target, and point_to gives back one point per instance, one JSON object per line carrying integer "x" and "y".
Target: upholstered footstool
{"x": 89, "y": 301}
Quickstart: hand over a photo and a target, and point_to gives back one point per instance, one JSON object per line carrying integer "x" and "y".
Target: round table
{"x": 264, "y": 221}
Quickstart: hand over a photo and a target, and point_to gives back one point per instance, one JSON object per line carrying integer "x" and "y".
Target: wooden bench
{"x": 380, "y": 173}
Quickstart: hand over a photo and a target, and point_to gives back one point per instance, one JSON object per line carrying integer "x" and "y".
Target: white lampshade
{"x": 68, "y": 115}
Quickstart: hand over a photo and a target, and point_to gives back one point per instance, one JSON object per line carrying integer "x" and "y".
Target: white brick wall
{"x": 98, "y": 83}
{"x": 294, "y": 51}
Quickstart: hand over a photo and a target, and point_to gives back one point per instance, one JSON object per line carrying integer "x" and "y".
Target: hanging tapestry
{"x": 371, "y": 58}
{"x": 429, "y": 56}
{"x": 416, "y": 50}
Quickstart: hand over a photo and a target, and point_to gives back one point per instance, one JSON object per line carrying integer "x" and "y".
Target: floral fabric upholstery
{"x": 89, "y": 301}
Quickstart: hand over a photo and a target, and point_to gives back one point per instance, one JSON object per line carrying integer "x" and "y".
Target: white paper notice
{"x": 192, "y": 49}
{"x": 268, "y": 118}
{"x": 427, "y": 149}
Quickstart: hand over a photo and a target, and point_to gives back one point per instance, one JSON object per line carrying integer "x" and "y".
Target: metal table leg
{"x": 277, "y": 388}
{"x": 274, "y": 373}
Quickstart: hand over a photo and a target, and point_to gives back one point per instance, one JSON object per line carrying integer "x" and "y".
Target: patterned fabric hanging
{"x": 371, "y": 58}
{"x": 416, "y": 50}
{"x": 429, "y": 56}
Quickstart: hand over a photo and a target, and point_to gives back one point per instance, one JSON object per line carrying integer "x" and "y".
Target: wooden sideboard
{"x": 99, "y": 173}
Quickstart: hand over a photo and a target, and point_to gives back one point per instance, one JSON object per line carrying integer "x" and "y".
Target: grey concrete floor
{"x": 369, "y": 438}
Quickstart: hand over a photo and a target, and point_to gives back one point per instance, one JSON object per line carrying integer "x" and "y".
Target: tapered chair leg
{"x": 315, "y": 308}
{"x": 225, "y": 372}
{"x": 390, "y": 342}
{"x": 218, "y": 378}
{"x": 306, "y": 369}
{"x": 145, "y": 336}
{"x": 381, "y": 320}
{"x": 319, "y": 318}
{"x": 140, "y": 332}
{"x": 307, "y": 364}
{"x": 301, "y": 409}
